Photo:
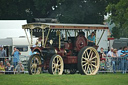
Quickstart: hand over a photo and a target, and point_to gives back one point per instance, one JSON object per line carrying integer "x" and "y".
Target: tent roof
{"x": 12, "y": 28}
{"x": 7, "y": 41}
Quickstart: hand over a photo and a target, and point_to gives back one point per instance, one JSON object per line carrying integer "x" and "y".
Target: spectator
{"x": 19, "y": 67}
{"x": 124, "y": 56}
{"x": 15, "y": 54}
{"x": 2, "y": 68}
{"x": 9, "y": 69}
{"x": 119, "y": 51}
{"x": 119, "y": 59}
{"x": 91, "y": 39}
{"x": 6, "y": 61}
{"x": 102, "y": 54}
{"x": 110, "y": 53}
{"x": 2, "y": 53}
{"x": 114, "y": 55}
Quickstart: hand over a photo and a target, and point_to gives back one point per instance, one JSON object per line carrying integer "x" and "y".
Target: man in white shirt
{"x": 110, "y": 53}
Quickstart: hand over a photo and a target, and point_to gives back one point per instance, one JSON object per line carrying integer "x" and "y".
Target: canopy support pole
{"x": 27, "y": 37}
{"x": 59, "y": 41}
{"x": 95, "y": 36}
{"x": 31, "y": 38}
{"x": 87, "y": 34}
{"x": 100, "y": 37}
{"x": 42, "y": 37}
{"x": 47, "y": 37}
{"x": 66, "y": 35}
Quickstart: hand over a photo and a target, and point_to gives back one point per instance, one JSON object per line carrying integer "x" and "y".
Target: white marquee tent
{"x": 12, "y": 28}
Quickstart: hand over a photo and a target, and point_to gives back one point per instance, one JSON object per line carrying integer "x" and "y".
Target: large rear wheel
{"x": 56, "y": 65}
{"x": 34, "y": 64}
{"x": 88, "y": 61}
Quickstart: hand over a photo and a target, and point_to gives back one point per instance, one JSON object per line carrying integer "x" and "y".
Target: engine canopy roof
{"x": 60, "y": 26}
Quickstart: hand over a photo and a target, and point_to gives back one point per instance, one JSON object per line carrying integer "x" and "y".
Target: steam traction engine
{"x": 61, "y": 50}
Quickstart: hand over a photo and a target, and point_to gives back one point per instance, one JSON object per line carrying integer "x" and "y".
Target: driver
{"x": 91, "y": 39}
{"x": 39, "y": 41}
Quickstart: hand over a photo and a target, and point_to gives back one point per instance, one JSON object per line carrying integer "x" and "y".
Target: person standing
{"x": 119, "y": 51}
{"x": 91, "y": 39}
{"x": 15, "y": 55}
{"x": 124, "y": 56}
{"x": 114, "y": 58}
{"x": 110, "y": 53}
{"x": 119, "y": 58}
{"x": 102, "y": 54}
{"x": 2, "y": 53}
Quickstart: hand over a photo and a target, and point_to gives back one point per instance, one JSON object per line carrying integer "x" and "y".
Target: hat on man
{"x": 93, "y": 33}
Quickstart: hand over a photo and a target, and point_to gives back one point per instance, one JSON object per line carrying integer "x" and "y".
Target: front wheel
{"x": 56, "y": 65}
{"x": 34, "y": 64}
{"x": 88, "y": 61}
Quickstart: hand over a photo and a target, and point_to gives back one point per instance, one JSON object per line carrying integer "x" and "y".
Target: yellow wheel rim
{"x": 34, "y": 65}
{"x": 90, "y": 61}
{"x": 57, "y": 65}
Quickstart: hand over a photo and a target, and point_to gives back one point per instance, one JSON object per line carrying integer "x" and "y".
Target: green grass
{"x": 68, "y": 79}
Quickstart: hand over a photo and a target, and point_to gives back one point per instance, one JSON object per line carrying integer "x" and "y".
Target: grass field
{"x": 68, "y": 79}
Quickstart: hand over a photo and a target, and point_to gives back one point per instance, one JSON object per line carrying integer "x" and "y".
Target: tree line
{"x": 69, "y": 11}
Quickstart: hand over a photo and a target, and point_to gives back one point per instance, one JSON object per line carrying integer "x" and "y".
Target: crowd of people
{"x": 121, "y": 55}
{"x": 6, "y": 67}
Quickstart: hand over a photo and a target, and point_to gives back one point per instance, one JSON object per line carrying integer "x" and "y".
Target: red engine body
{"x": 69, "y": 52}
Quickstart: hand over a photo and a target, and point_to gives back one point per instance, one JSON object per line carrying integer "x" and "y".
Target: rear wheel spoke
{"x": 85, "y": 58}
{"x": 94, "y": 65}
{"x": 85, "y": 64}
{"x": 90, "y": 53}
{"x": 93, "y": 58}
